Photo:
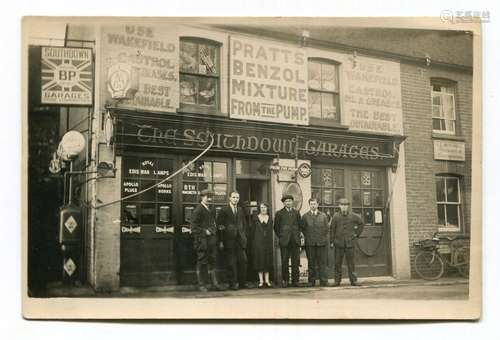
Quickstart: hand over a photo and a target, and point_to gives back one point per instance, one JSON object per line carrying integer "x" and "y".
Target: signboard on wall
{"x": 268, "y": 82}
{"x": 449, "y": 150}
{"x": 141, "y": 66}
{"x": 372, "y": 96}
{"x": 67, "y": 76}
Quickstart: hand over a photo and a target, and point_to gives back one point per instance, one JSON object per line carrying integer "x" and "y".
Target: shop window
{"x": 328, "y": 188}
{"x": 202, "y": 175}
{"x": 199, "y": 75}
{"x": 449, "y": 205}
{"x": 443, "y": 108}
{"x": 152, "y": 207}
{"x": 324, "y": 102}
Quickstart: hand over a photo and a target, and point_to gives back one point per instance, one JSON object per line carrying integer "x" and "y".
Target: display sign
{"x": 268, "y": 82}
{"x": 174, "y": 134}
{"x": 67, "y": 76}
{"x": 449, "y": 150}
{"x": 372, "y": 96}
{"x": 141, "y": 66}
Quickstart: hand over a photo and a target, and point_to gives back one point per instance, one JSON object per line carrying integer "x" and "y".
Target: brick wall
{"x": 421, "y": 167}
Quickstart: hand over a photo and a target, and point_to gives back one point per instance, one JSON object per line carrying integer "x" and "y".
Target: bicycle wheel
{"x": 429, "y": 265}
{"x": 462, "y": 258}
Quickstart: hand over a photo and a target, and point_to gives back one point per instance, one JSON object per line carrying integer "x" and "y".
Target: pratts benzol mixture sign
{"x": 268, "y": 82}
{"x": 147, "y": 56}
{"x": 67, "y": 77}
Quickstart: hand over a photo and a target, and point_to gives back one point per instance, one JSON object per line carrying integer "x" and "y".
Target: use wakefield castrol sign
{"x": 66, "y": 76}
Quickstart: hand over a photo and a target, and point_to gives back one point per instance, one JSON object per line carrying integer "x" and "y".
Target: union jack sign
{"x": 67, "y": 76}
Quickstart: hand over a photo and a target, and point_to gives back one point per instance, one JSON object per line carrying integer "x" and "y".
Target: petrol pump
{"x": 70, "y": 221}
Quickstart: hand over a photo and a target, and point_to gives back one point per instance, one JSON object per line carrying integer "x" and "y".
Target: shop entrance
{"x": 366, "y": 189}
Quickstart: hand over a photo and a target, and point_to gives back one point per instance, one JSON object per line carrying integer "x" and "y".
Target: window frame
{"x": 445, "y": 203}
{"x": 336, "y": 94}
{"x": 442, "y": 94}
{"x": 196, "y": 107}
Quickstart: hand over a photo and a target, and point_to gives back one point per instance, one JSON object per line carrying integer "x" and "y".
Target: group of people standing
{"x": 227, "y": 232}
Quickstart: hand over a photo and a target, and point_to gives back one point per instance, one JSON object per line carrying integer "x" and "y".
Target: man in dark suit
{"x": 204, "y": 231}
{"x": 287, "y": 227}
{"x": 345, "y": 229}
{"x": 231, "y": 225}
{"x": 316, "y": 227}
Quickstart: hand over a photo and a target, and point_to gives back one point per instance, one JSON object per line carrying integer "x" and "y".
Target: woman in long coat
{"x": 262, "y": 244}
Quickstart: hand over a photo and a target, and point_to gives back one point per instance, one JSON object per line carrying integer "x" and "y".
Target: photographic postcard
{"x": 252, "y": 168}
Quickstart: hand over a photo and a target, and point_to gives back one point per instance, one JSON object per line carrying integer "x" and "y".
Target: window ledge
{"x": 437, "y": 135}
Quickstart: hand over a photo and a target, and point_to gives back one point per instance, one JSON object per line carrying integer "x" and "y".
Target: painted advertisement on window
{"x": 268, "y": 82}
{"x": 372, "y": 96}
{"x": 141, "y": 67}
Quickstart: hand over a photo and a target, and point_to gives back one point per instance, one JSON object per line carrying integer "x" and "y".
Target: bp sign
{"x": 66, "y": 76}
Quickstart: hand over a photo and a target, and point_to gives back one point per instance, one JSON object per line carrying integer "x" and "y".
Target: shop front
{"x": 261, "y": 162}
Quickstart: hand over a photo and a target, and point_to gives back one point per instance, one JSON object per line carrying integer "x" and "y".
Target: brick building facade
{"x": 403, "y": 171}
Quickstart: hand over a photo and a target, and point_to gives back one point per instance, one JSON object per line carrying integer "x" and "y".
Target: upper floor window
{"x": 449, "y": 203}
{"x": 199, "y": 74}
{"x": 324, "y": 103}
{"x": 443, "y": 108}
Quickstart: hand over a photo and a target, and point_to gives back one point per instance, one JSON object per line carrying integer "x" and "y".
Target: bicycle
{"x": 430, "y": 263}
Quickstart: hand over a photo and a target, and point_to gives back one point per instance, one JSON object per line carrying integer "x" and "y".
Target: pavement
{"x": 371, "y": 288}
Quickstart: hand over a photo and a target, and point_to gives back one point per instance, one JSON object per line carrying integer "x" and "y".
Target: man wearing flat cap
{"x": 345, "y": 229}
{"x": 204, "y": 231}
{"x": 287, "y": 227}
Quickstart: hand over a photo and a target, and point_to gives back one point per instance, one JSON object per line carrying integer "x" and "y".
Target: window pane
{"x": 452, "y": 189}
{"x": 207, "y": 171}
{"x": 355, "y": 179}
{"x": 436, "y": 111}
{"x": 338, "y": 178}
{"x": 220, "y": 172}
{"x": 188, "y": 211}
{"x": 189, "y": 192}
{"x": 366, "y": 179}
{"x": 448, "y": 107}
{"x": 440, "y": 192}
{"x": 148, "y": 168}
{"x": 259, "y": 168}
{"x": 449, "y": 125}
{"x": 164, "y": 213}
{"x": 368, "y": 216}
{"x": 328, "y": 106}
{"x": 377, "y": 179}
{"x": 316, "y": 193}
{"x": 220, "y": 192}
{"x": 207, "y": 91}
{"x": 194, "y": 171}
{"x": 367, "y": 198}
{"x": 436, "y": 99}
{"x": 149, "y": 195}
{"x": 164, "y": 191}
{"x": 189, "y": 59}
{"x": 436, "y": 87}
{"x": 378, "y": 198}
{"x": 338, "y": 195}
{"x": 447, "y": 89}
{"x": 188, "y": 89}
{"x": 356, "y": 198}
{"x": 130, "y": 214}
{"x": 327, "y": 197}
{"x": 436, "y": 124}
{"x": 208, "y": 64}
{"x": 327, "y": 180}
{"x": 131, "y": 167}
{"x": 452, "y": 215}
{"x": 314, "y": 75}
{"x": 329, "y": 77}
{"x": 316, "y": 177}
{"x": 148, "y": 214}
{"x": 441, "y": 216}
{"x": 314, "y": 104}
